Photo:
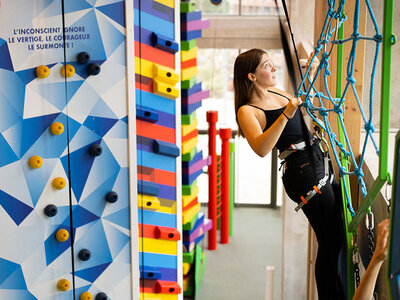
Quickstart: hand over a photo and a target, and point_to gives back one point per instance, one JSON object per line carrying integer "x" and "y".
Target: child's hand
{"x": 382, "y": 241}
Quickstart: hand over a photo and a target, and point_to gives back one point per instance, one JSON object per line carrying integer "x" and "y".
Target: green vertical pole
{"x": 350, "y": 289}
{"x": 387, "y": 42}
{"x": 231, "y": 185}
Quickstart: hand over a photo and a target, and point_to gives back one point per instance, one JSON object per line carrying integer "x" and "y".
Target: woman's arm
{"x": 263, "y": 142}
{"x": 365, "y": 290}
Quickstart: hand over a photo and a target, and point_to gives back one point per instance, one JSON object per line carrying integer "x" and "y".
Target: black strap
{"x": 276, "y": 93}
{"x": 255, "y": 106}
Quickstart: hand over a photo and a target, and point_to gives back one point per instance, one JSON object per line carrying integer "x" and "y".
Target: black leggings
{"x": 323, "y": 212}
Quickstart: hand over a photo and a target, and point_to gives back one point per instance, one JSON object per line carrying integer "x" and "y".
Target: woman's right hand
{"x": 292, "y": 107}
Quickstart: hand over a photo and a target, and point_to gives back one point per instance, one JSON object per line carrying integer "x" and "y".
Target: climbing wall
{"x": 158, "y": 156}
{"x": 64, "y": 188}
{"x": 194, "y": 224}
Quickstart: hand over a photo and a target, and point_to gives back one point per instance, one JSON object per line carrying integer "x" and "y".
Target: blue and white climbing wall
{"x": 64, "y": 188}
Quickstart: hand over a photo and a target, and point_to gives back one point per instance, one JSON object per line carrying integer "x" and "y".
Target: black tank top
{"x": 293, "y": 131}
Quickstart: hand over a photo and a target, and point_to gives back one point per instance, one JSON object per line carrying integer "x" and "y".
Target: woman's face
{"x": 264, "y": 73}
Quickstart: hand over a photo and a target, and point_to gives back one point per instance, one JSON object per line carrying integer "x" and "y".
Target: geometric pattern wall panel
{"x": 64, "y": 166}
{"x": 98, "y": 151}
{"x": 33, "y": 208}
{"x": 157, "y": 99}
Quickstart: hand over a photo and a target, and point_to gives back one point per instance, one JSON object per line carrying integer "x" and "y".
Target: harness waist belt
{"x": 291, "y": 149}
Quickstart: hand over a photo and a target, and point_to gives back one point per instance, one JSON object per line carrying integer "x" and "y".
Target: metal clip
{"x": 367, "y": 220}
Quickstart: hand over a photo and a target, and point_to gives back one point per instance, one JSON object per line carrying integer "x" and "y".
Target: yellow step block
{"x": 186, "y": 129}
{"x": 186, "y": 268}
{"x": 158, "y": 246}
{"x": 162, "y": 73}
{"x": 190, "y": 54}
{"x": 165, "y": 90}
{"x": 189, "y": 145}
{"x": 148, "y": 202}
{"x": 151, "y": 296}
{"x": 144, "y": 67}
{"x": 188, "y": 73}
{"x": 189, "y": 214}
{"x": 187, "y": 199}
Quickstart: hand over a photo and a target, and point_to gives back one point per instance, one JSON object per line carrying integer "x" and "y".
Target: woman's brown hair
{"x": 247, "y": 62}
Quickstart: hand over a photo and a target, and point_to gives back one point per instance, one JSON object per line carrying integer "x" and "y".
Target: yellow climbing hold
{"x": 35, "y": 162}
{"x": 68, "y": 71}
{"x": 63, "y": 285}
{"x": 42, "y": 71}
{"x": 57, "y": 128}
{"x": 62, "y": 235}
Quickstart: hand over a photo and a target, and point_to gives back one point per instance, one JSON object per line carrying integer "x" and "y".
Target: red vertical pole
{"x": 225, "y": 134}
{"x": 212, "y": 118}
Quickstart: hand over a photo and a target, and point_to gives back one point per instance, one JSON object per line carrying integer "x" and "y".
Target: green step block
{"x": 189, "y": 189}
{"x": 188, "y": 119}
{"x": 187, "y": 7}
{"x": 189, "y": 156}
{"x": 188, "y": 257}
{"x": 187, "y": 45}
{"x": 187, "y": 84}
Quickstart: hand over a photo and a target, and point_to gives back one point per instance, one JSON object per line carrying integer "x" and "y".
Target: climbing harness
{"x": 318, "y": 139}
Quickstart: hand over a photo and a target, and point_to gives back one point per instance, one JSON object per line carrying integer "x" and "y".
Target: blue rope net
{"x": 333, "y": 21}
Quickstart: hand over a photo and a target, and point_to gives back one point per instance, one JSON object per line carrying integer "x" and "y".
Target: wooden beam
{"x": 241, "y": 32}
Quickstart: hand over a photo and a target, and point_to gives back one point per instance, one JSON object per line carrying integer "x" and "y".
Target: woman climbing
{"x": 268, "y": 117}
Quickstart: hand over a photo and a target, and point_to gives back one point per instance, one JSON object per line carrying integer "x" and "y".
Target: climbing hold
{"x": 111, "y": 197}
{"x": 83, "y": 58}
{"x": 58, "y": 183}
{"x": 57, "y": 128}
{"x": 67, "y": 71}
{"x": 95, "y": 150}
{"x": 84, "y": 254}
{"x": 101, "y": 296}
{"x": 93, "y": 69}
{"x": 50, "y": 210}
{"x": 62, "y": 235}
{"x": 42, "y": 71}
{"x": 63, "y": 285}
{"x": 85, "y": 296}
{"x": 35, "y": 162}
